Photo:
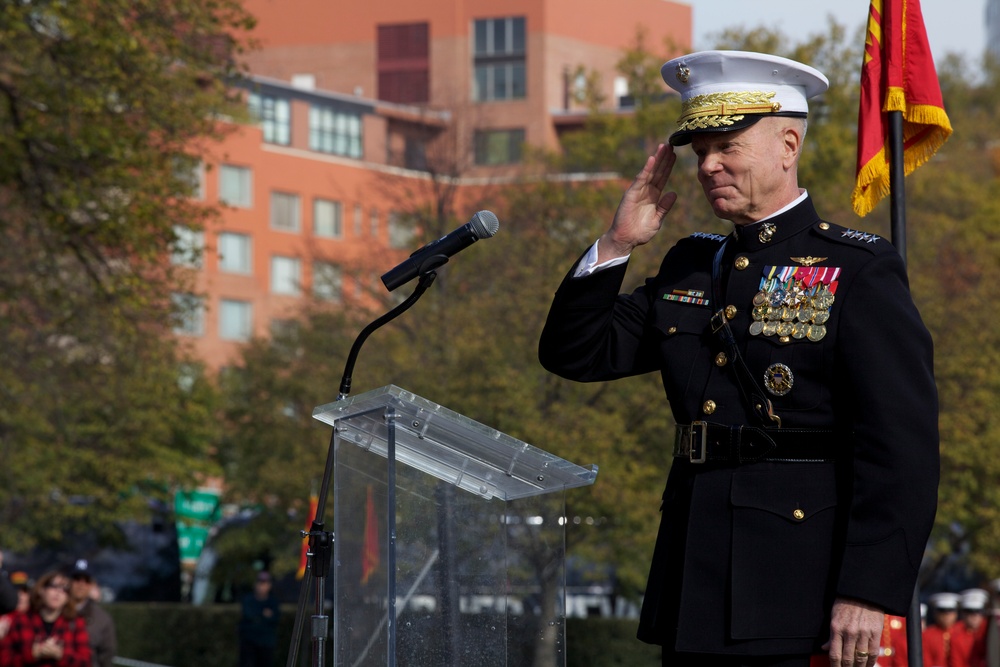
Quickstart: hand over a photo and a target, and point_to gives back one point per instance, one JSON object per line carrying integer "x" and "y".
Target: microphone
{"x": 483, "y": 225}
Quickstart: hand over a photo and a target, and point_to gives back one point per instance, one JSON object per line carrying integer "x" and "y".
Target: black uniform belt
{"x": 702, "y": 441}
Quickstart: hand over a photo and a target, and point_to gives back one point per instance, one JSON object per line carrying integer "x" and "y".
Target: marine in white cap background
{"x": 940, "y": 640}
{"x": 780, "y": 537}
{"x": 971, "y": 629}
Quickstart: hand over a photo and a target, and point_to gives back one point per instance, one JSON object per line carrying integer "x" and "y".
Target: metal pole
{"x": 897, "y": 220}
{"x": 897, "y": 187}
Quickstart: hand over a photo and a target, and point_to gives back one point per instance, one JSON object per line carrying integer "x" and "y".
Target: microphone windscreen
{"x": 485, "y": 224}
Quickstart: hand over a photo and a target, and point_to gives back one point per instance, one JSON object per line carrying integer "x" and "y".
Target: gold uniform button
{"x": 721, "y": 359}
{"x": 799, "y": 514}
{"x": 730, "y": 312}
{"x": 742, "y": 262}
{"x": 824, "y": 226}
{"x": 785, "y": 339}
{"x": 672, "y": 330}
{"x": 708, "y": 407}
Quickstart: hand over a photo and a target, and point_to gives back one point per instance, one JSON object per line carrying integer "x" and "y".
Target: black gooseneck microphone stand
{"x": 320, "y": 540}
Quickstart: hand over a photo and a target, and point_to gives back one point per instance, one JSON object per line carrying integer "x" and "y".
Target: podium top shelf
{"x": 450, "y": 446}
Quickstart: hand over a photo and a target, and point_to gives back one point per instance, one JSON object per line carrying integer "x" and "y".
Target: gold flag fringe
{"x": 873, "y": 182}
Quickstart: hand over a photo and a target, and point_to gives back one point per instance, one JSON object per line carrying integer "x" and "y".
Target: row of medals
{"x": 796, "y": 311}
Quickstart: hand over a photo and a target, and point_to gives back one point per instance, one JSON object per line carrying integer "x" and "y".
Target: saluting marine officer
{"x": 799, "y": 374}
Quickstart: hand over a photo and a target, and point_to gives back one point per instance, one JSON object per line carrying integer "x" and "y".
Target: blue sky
{"x": 953, "y": 26}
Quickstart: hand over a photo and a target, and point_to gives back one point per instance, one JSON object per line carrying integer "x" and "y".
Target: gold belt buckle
{"x": 699, "y": 434}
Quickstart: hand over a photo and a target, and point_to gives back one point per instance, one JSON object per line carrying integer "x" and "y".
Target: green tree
{"x": 954, "y": 243}
{"x": 105, "y": 109}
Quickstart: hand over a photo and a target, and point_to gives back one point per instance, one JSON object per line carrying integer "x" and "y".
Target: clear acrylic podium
{"x": 449, "y": 543}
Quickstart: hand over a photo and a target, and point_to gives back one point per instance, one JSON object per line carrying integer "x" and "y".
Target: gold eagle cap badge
{"x": 808, "y": 261}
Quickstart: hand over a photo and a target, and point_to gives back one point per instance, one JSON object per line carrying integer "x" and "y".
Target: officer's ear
{"x": 791, "y": 137}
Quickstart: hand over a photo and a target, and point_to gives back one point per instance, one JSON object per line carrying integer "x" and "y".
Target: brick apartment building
{"x": 352, "y": 96}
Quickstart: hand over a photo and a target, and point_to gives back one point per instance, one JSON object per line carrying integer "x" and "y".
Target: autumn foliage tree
{"x": 105, "y": 109}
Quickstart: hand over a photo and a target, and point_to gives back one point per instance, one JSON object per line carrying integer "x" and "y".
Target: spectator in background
{"x": 259, "y": 624}
{"x": 49, "y": 633}
{"x": 23, "y": 587}
{"x": 8, "y": 593}
{"x": 100, "y": 626}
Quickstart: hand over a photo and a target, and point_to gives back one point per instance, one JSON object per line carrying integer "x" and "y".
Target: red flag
{"x": 370, "y": 551}
{"x": 313, "y": 504}
{"x": 897, "y": 75}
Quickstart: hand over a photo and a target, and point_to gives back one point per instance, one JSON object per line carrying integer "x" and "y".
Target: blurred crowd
{"x": 54, "y": 620}
{"x": 959, "y": 629}
{"x": 57, "y": 620}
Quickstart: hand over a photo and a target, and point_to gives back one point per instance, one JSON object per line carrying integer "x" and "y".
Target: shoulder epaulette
{"x": 710, "y": 237}
{"x": 854, "y": 237}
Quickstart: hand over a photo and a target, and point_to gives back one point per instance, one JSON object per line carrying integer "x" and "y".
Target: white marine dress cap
{"x": 723, "y": 91}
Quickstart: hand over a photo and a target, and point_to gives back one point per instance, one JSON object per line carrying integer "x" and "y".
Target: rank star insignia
{"x": 808, "y": 261}
{"x": 860, "y": 236}
{"x": 706, "y": 235}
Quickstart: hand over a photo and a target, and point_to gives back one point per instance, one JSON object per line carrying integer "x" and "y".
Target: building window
{"x": 235, "y": 186}
{"x": 401, "y": 232}
{"x": 188, "y": 315}
{"x": 415, "y": 154}
{"x": 359, "y": 219}
{"x": 336, "y": 132}
{"x": 234, "y": 253}
{"x": 404, "y": 63}
{"x": 286, "y": 275}
{"x": 495, "y": 147}
{"x": 285, "y": 211}
{"x": 187, "y": 376}
{"x": 328, "y": 281}
{"x": 286, "y": 329}
{"x": 285, "y": 337}
{"x": 499, "y": 63}
{"x": 235, "y": 320}
{"x": 190, "y": 172}
{"x": 274, "y": 116}
{"x": 623, "y": 98}
{"x": 373, "y": 220}
{"x": 328, "y": 218}
{"x": 187, "y": 247}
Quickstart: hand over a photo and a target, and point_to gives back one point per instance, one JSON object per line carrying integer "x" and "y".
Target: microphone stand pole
{"x": 321, "y": 541}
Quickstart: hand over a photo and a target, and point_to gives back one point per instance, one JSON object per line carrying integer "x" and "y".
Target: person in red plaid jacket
{"x": 49, "y": 634}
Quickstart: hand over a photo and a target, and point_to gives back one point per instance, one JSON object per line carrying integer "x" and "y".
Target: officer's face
{"x": 747, "y": 174}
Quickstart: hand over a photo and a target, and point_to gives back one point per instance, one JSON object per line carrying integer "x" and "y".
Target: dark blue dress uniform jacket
{"x": 750, "y": 557}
